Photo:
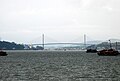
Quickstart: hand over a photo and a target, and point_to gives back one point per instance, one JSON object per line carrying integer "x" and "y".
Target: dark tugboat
{"x": 108, "y": 52}
{"x": 91, "y": 51}
{"x": 3, "y": 53}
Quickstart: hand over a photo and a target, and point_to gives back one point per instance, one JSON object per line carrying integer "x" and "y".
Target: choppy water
{"x": 58, "y": 66}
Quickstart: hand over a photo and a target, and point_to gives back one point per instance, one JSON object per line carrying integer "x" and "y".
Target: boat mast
{"x": 110, "y": 44}
{"x": 116, "y": 45}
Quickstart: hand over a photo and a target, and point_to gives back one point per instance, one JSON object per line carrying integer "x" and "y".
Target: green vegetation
{"x": 10, "y": 46}
{"x": 4, "y": 45}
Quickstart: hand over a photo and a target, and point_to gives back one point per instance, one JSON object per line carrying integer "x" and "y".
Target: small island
{"x": 5, "y": 45}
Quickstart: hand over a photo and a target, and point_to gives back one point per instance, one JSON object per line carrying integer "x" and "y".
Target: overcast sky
{"x": 22, "y": 21}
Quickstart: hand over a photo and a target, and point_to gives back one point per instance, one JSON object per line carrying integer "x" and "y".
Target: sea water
{"x": 58, "y": 66}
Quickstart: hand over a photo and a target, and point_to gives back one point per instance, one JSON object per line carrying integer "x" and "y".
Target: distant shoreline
{"x": 42, "y": 50}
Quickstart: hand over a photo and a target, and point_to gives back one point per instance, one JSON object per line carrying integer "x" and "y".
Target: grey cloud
{"x": 76, "y": 16}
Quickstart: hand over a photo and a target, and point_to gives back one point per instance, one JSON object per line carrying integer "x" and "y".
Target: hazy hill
{"x": 114, "y": 40}
{"x": 94, "y": 42}
{"x": 98, "y": 41}
{"x": 105, "y": 45}
{"x": 10, "y": 46}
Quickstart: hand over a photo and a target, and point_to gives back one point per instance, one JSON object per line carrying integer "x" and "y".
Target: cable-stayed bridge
{"x": 44, "y": 43}
{"x": 61, "y": 43}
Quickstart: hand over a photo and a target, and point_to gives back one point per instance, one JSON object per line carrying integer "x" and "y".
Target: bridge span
{"x": 62, "y": 44}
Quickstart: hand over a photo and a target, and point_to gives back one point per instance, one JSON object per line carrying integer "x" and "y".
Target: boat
{"x": 3, "y": 53}
{"x": 91, "y": 51}
{"x": 109, "y": 52}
